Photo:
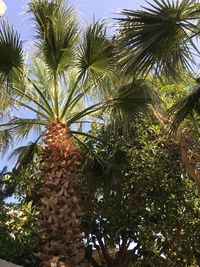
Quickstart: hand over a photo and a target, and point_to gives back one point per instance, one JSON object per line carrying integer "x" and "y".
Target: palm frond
{"x": 57, "y": 32}
{"x": 41, "y": 77}
{"x": 11, "y": 52}
{"x": 185, "y": 108}
{"x": 73, "y": 89}
{"x": 157, "y": 39}
{"x": 87, "y": 135}
{"x": 75, "y": 99}
{"x": 29, "y": 107}
{"x": 24, "y": 155}
{"x": 87, "y": 111}
{"x": 44, "y": 106}
{"x": 132, "y": 100}
{"x": 3, "y": 171}
{"x": 96, "y": 53}
{"x": 20, "y": 128}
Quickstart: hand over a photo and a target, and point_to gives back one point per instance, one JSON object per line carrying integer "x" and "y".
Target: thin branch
{"x": 103, "y": 249}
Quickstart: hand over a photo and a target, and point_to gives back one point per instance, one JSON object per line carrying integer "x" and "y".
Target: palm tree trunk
{"x": 60, "y": 214}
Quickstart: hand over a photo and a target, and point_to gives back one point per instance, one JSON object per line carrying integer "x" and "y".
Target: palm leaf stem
{"x": 33, "y": 100}
{"x": 48, "y": 107}
{"x": 21, "y": 122}
{"x": 86, "y": 135}
{"x": 88, "y": 149}
{"x": 56, "y": 96}
{"x": 42, "y": 97}
{"x": 66, "y": 106}
{"x": 89, "y": 110}
{"x": 31, "y": 108}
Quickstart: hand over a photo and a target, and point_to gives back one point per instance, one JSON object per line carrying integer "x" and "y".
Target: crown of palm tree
{"x": 159, "y": 38}
{"x": 69, "y": 67}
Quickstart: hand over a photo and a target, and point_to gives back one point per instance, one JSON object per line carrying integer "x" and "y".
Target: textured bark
{"x": 60, "y": 214}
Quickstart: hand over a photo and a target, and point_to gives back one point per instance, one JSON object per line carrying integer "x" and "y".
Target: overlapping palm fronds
{"x": 158, "y": 39}
{"x": 24, "y": 155}
{"x": 96, "y": 52}
{"x": 73, "y": 76}
{"x": 132, "y": 100}
{"x": 57, "y": 33}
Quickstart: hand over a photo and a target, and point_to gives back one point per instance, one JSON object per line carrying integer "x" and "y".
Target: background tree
{"x": 19, "y": 243}
{"x": 140, "y": 212}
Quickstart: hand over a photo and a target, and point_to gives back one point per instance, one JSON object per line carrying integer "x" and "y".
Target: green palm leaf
{"x": 20, "y": 128}
{"x": 76, "y": 116}
{"x": 11, "y": 52}
{"x": 158, "y": 38}
{"x": 132, "y": 100}
{"x": 5, "y": 101}
{"x": 52, "y": 96}
{"x": 57, "y": 32}
{"x": 96, "y": 53}
{"x": 25, "y": 154}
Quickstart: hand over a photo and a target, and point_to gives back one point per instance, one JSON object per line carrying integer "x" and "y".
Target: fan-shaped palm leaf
{"x": 96, "y": 56}
{"x": 5, "y": 101}
{"x": 158, "y": 38}
{"x": 11, "y": 52}
{"x": 132, "y": 100}
{"x": 57, "y": 32}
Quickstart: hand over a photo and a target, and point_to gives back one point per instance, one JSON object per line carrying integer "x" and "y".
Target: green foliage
{"x": 138, "y": 195}
{"x": 96, "y": 52}
{"x": 71, "y": 78}
{"x": 159, "y": 37}
{"x": 132, "y": 101}
{"x": 18, "y": 241}
{"x": 139, "y": 207}
{"x": 57, "y": 33}
{"x": 186, "y": 107}
{"x": 11, "y": 52}
{"x": 137, "y": 202}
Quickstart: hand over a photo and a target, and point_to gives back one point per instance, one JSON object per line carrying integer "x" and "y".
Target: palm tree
{"x": 72, "y": 76}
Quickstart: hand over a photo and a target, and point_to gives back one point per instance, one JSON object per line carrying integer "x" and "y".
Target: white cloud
{"x": 2, "y": 8}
